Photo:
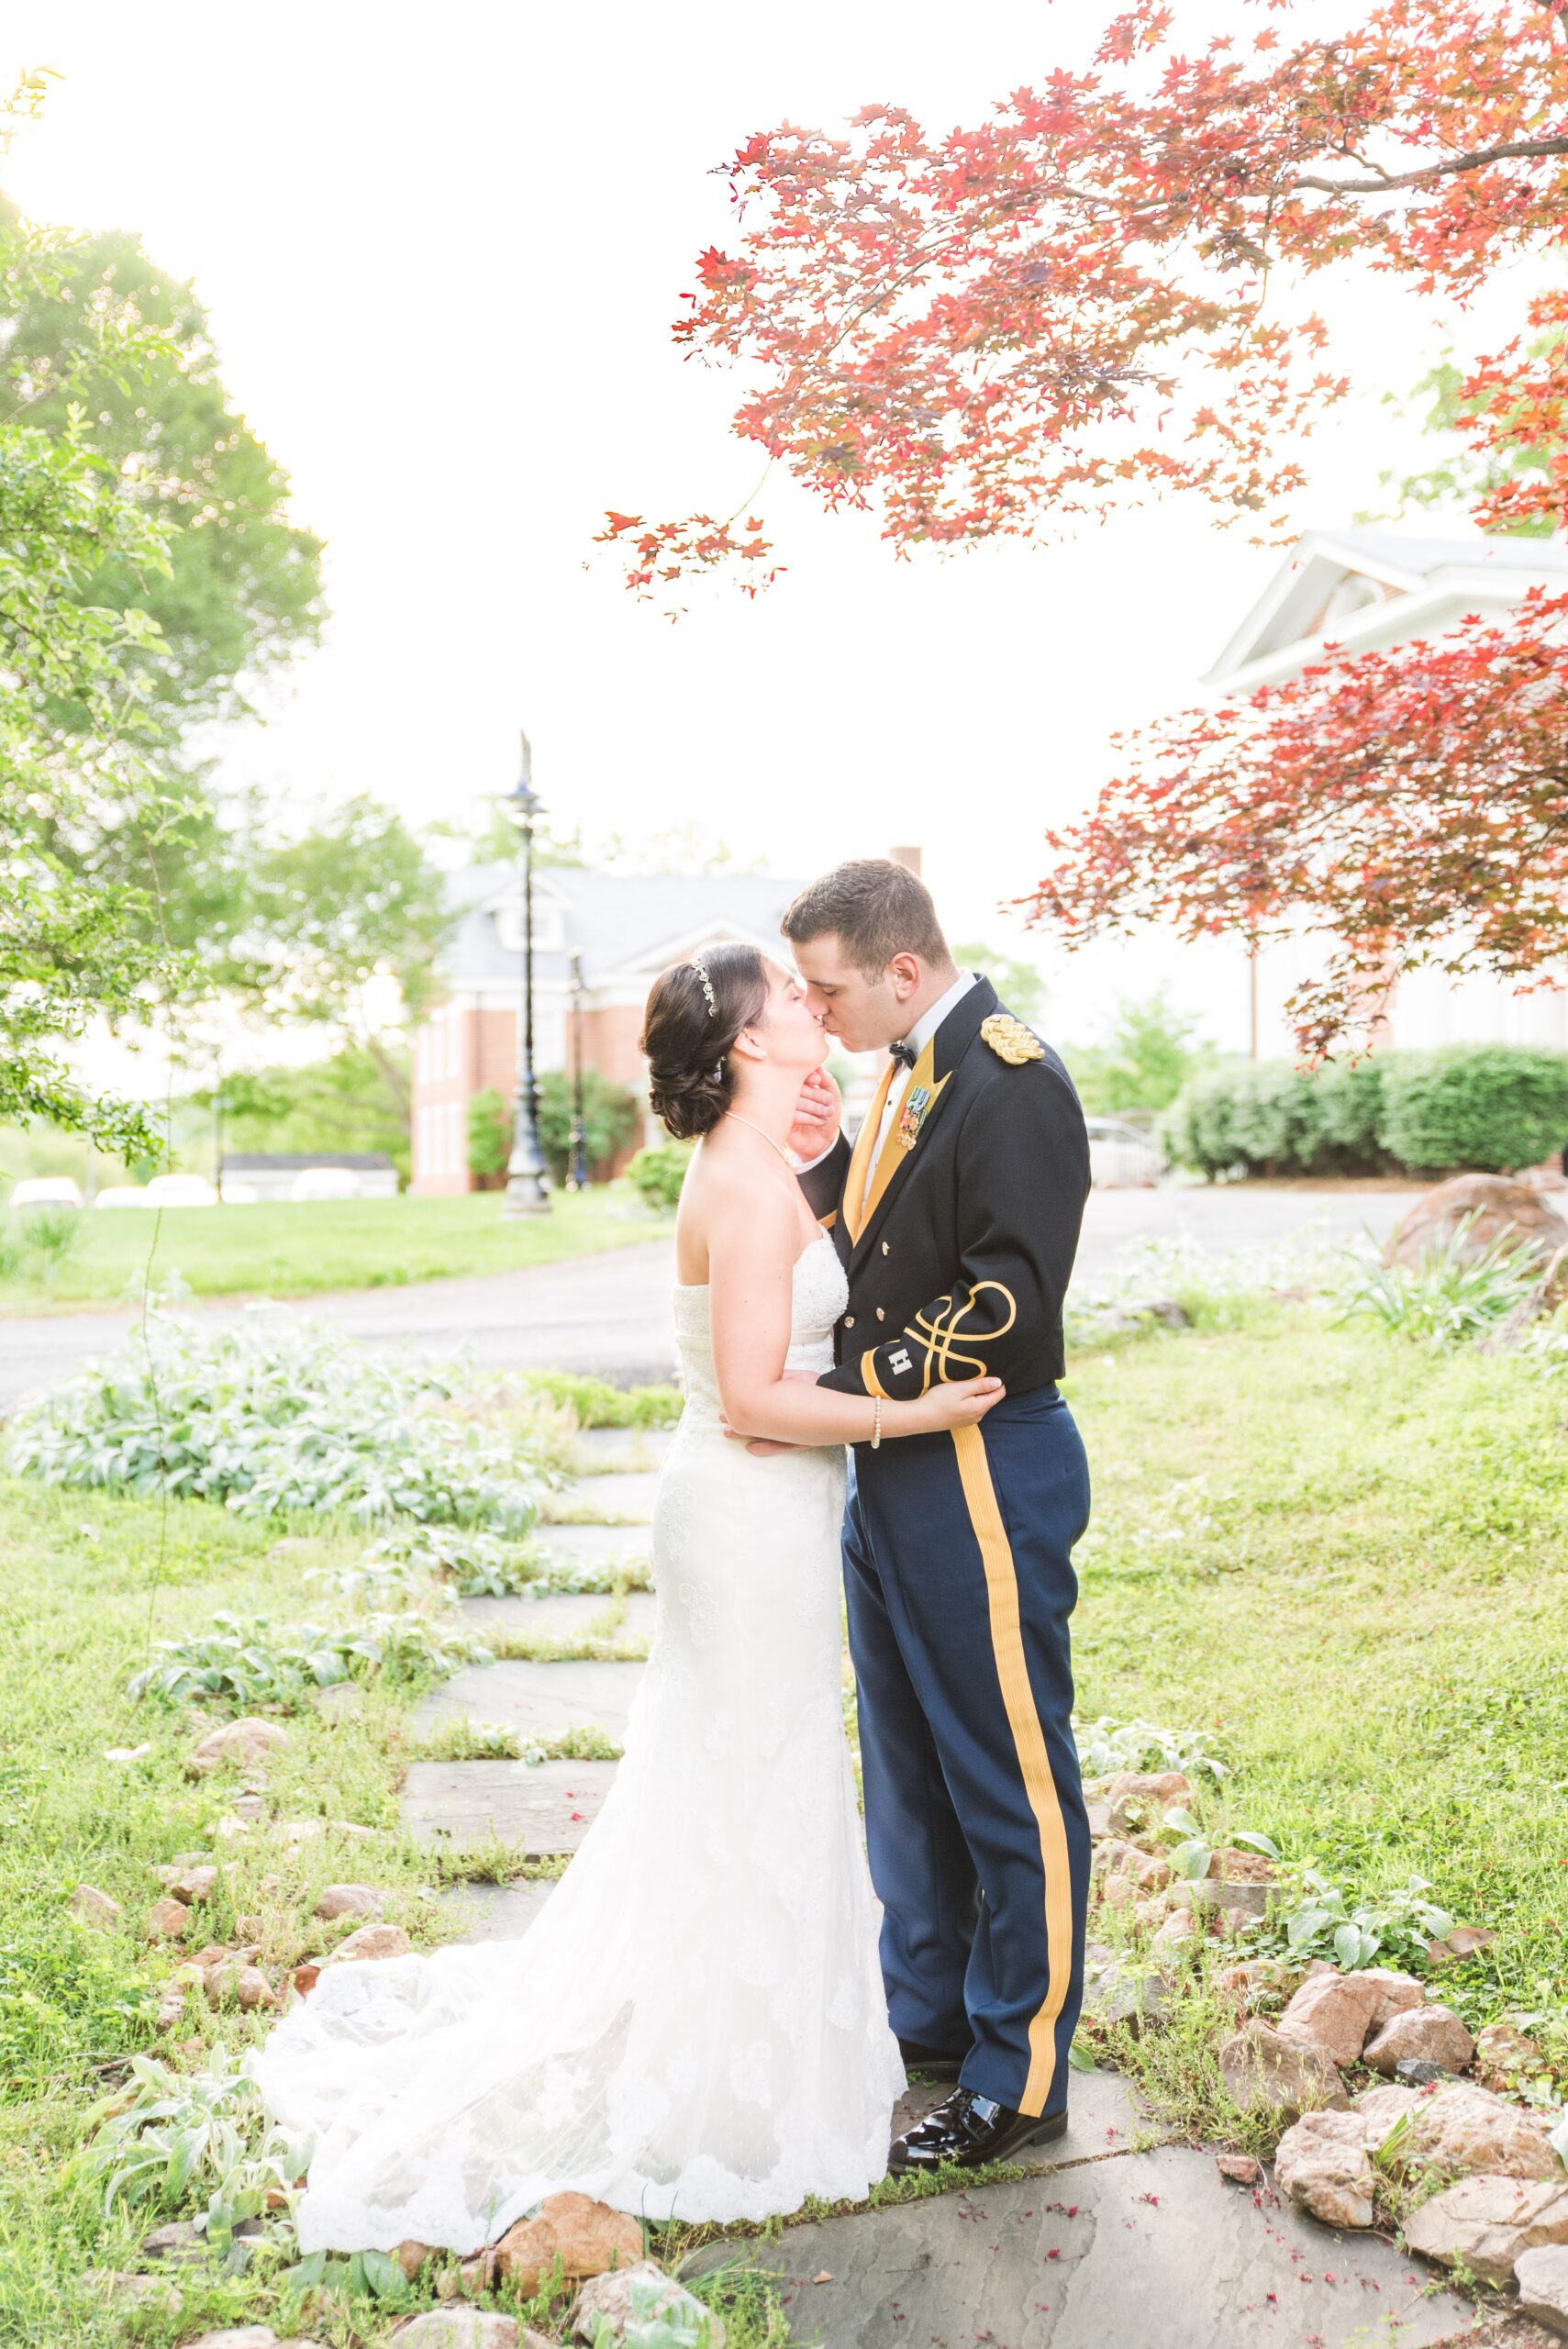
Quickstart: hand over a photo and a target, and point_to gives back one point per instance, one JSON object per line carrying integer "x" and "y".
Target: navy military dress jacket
{"x": 959, "y": 1242}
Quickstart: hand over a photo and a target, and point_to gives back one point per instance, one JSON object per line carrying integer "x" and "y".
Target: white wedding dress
{"x": 694, "y": 2027}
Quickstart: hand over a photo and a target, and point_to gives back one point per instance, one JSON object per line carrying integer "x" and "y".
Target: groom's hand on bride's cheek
{"x": 818, "y": 1114}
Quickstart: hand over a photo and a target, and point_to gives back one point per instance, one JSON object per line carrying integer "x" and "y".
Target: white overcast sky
{"x": 442, "y": 248}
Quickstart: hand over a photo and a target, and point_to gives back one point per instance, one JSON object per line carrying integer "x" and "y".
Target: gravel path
{"x": 610, "y": 1313}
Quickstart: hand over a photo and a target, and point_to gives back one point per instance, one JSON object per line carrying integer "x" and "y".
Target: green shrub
{"x": 609, "y": 1118}
{"x": 1263, "y": 1116}
{"x": 489, "y": 1135}
{"x": 659, "y": 1172}
{"x": 596, "y": 1404}
{"x": 1488, "y": 1107}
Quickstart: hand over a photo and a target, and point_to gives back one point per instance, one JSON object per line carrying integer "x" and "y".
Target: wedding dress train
{"x": 694, "y": 2027}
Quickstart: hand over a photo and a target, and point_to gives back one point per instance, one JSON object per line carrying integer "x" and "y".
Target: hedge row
{"x": 1490, "y": 1108}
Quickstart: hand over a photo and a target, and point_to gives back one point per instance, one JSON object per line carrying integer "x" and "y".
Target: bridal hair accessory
{"x": 700, "y": 967}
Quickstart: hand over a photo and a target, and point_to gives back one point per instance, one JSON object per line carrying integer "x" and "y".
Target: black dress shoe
{"x": 937, "y": 2062}
{"x": 969, "y": 2129}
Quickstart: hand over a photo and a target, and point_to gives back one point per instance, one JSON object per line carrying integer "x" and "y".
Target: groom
{"x": 956, "y": 1217}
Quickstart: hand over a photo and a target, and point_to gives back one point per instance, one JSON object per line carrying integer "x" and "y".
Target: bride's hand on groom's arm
{"x": 960, "y": 1403}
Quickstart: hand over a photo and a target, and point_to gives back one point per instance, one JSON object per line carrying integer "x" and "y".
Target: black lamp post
{"x": 576, "y": 1161}
{"x": 527, "y": 1190}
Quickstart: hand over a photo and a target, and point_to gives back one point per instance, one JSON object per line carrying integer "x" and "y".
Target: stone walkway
{"x": 1121, "y": 2240}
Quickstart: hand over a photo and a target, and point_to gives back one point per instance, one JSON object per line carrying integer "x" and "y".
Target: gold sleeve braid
{"x": 935, "y": 1332}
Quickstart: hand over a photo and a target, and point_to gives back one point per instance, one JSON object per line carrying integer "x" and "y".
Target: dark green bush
{"x": 609, "y": 1118}
{"x": 1486, "y": 1107}
{"x": 659, "y": 1172}
{"x": 1493, "y": 1108}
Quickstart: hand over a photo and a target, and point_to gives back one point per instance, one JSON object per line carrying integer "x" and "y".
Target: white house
{"x": 1365, "y": 590}
{"x": 624, "y": 926}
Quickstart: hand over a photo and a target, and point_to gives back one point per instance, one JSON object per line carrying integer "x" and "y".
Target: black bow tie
{"x": 905, "y": 1054}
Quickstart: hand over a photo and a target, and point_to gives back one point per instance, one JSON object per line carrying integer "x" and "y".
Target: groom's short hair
{"x": 876, "y": 908}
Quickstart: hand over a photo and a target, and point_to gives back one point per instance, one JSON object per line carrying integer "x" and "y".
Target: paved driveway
{"x": 611, "y": 1313}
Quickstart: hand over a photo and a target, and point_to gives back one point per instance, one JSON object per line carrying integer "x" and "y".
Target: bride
{"x": 694, "y": 2027}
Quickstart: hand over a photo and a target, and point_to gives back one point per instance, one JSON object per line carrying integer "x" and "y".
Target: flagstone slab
{"x": 624, "y": 1498}
{"x": 540, "y": 1700}
{"x": 539, "y": 1812}
{"x": 500, "y": 1912}
{"x": 1152, "y": 2249}
{"x": 605, "y": 1546}
{"x": 569, "y": 1615}
{"x": 1109, "y": 2116}
{"x": 609, "y": 1450}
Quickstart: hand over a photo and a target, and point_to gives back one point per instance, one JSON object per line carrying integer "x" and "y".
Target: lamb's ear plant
{"x": 364, "y": 2275}
{"x": 197, "y": 2141}
{"x": 1397, "y": 1925}
{"x": 271, "y": 1417}
{"x": 1106, "y": 1744}
{"x": 243, "y": 1661}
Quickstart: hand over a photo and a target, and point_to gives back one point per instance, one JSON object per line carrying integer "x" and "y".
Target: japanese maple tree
{"x": 1061, "y": 309}
{"x": 1412, "y": 804}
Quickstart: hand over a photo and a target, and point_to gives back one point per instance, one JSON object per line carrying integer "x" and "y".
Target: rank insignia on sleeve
{"x": 1010, "y": 1040}
{"x": 912, "y": 1114}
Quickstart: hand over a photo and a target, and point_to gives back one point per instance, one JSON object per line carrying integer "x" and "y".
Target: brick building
{"x": 626, "y": 928}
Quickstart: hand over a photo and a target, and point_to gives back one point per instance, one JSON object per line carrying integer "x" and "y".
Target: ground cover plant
{"x": 271, "y": 1415}
{"x": 1326, "y": 1578}
{"x": 286, "y": 1251}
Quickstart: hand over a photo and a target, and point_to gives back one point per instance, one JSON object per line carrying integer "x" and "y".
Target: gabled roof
{"x": 621, "y": 923}
{"x": 295, "y": 1162}
{"x": 1411, "y": 584}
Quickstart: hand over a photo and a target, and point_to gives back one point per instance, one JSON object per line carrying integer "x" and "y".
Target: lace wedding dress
{"x": 694, "y": 2027}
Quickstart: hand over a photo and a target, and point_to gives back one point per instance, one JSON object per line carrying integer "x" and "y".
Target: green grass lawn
{"x": 1343, "y": 1559}
{"x": 1347, "y": 1561}
{"x": 289, "y": 1251}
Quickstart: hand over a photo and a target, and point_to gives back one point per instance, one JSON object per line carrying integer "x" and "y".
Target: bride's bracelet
{"x": 876, "y": 1423}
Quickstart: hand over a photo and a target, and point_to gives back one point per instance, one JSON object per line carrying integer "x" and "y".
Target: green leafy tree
{"x": 1018, "y": 983}
{"x": 71, "y": 949}
{"x": 345, "y": 1102}
{"x": 241, "y": 594}
{"x": 1145, "y": 1061}
{"x": 334, "y": 922}
{"x": 1472, "y": 468}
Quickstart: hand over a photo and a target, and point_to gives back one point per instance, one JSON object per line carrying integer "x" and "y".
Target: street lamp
{"x": 576, "y": 1158}
{"x": 528, "y": 1191}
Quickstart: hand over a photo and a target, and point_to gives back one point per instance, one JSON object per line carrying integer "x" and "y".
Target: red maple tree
{"x": 1012, "y": 326}
{"x": 1060, "y": 311}
{"x": 1413, "y": 804}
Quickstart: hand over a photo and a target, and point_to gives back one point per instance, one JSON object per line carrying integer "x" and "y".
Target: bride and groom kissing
{"x": 710, "y": 2020}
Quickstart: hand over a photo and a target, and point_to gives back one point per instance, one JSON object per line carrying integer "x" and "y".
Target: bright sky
{"x": 441, "y": 250}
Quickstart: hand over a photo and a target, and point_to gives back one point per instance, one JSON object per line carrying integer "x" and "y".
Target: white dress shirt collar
{"x": 926, "y": 1027}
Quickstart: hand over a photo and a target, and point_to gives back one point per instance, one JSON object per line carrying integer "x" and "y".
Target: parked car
{"x": 163, "y": 1191}
{"x": 325, "y": 1183}
{"x": 46, "y": 1191}
{"x": 1120, "y": 1158}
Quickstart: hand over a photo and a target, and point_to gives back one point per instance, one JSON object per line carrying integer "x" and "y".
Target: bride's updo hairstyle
{"x": 695, "y": 1012}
